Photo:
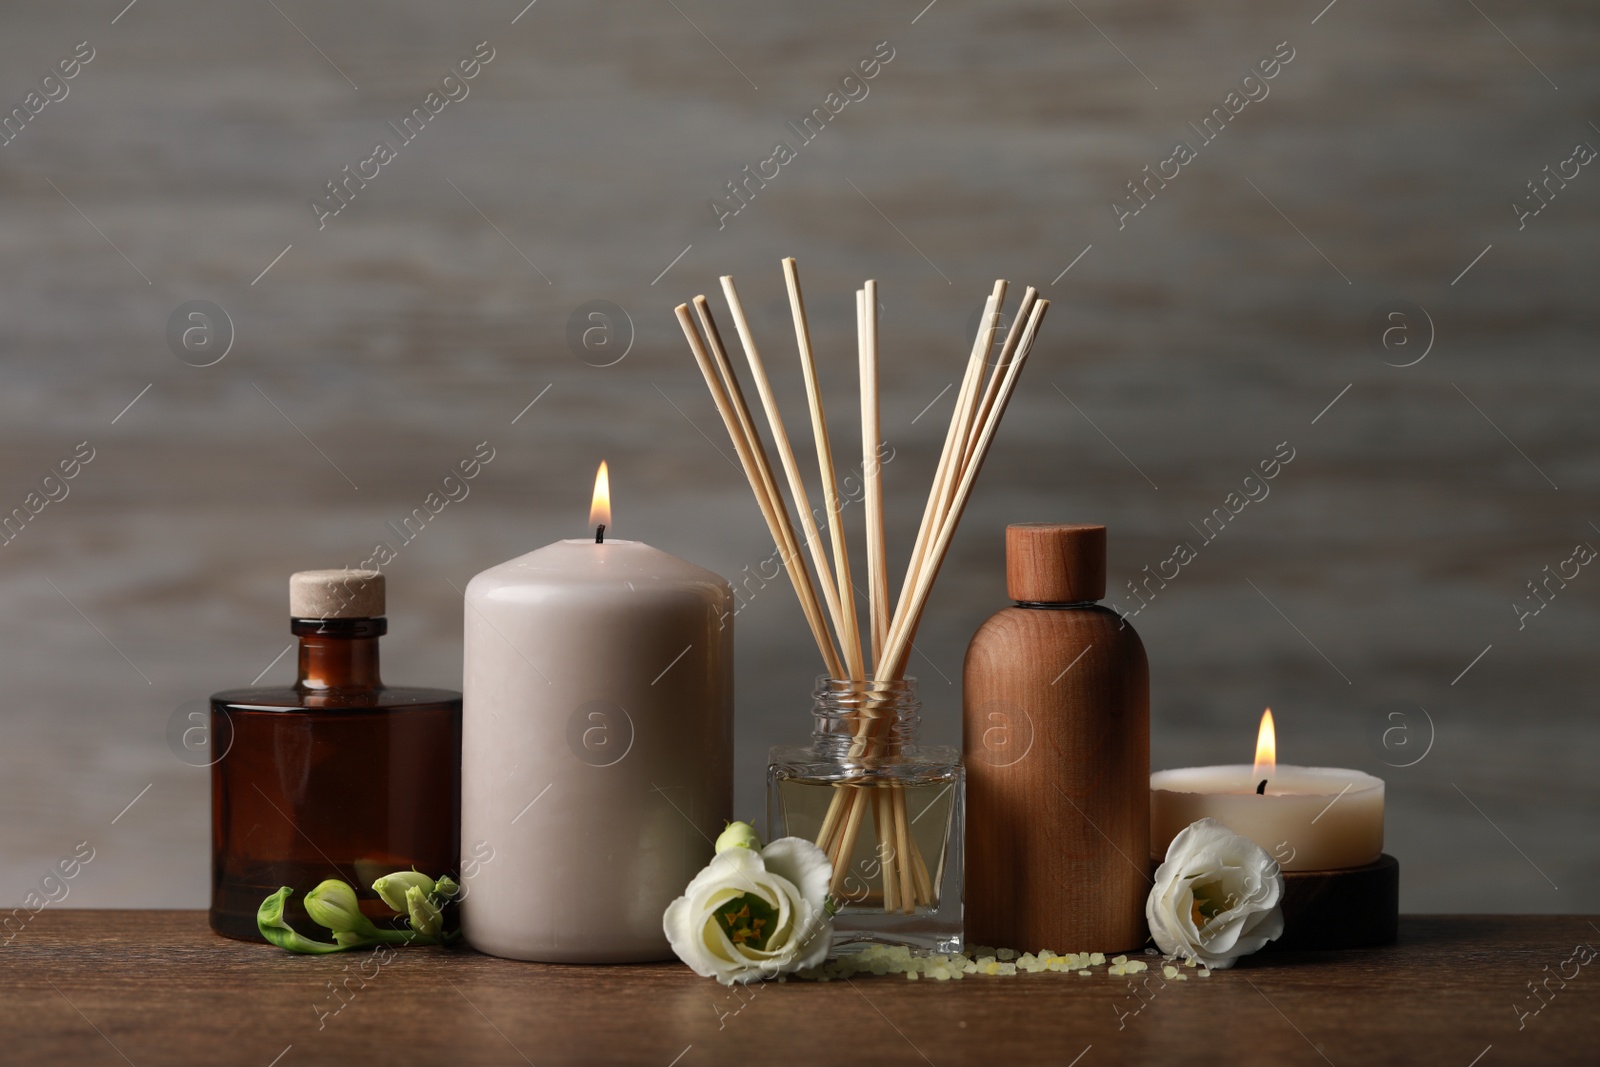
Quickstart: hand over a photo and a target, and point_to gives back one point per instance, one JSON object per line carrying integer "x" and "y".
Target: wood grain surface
{"x": 158, "y": 988}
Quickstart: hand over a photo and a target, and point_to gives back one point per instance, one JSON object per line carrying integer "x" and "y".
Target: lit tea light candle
{"x": 1307, "y": 818}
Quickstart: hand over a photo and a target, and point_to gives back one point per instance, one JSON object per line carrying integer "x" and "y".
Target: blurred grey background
{"x": 1243, "y": 307}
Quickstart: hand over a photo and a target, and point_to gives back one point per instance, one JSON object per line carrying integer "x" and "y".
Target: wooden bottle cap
{"x": 336, "y": 594}
{"x": 1055, "y": 563}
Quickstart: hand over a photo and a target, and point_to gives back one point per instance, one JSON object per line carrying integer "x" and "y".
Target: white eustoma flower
{"x": 751, "y": 915}
{"x": 1216, "y": 897}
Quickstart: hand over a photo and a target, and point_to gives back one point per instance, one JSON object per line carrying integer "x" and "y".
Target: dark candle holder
{"x": 1354, "y": 908}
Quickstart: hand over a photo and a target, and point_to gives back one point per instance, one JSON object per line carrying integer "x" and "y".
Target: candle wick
{"x": 1261, "y": 790}
{"x": 600, "y": 534}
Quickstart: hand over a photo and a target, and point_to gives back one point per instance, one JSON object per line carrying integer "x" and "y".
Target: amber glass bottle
{"x": 336, "y": 776}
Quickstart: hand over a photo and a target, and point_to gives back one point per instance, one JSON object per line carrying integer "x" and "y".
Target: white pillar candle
{"x": 597, "y": 748}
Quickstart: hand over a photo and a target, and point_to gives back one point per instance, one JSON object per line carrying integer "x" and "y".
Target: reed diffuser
{"x": 865, "y": 754}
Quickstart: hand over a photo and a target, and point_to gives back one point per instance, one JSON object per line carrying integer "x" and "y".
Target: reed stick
{"x": 855, "y": 801}
{"x": 767, "y": 494}
{"x": 871, "y": 441}
{"x": 828, "y": 835}
{"x": 847, "y": 624}
{"x": 777, "y": 525}
{"x": 970, "y": 412}
{"x": 1007, "y": 353}
{"x": 969, "y": 380}
{"x": 899, "y": 638}
{"x": 883, "y": 818}
{"x": 912, "y": 892}
{"x": 791, "y": 469}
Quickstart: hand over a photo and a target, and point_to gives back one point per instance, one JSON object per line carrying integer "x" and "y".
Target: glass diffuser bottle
{"x": 335, "y": 776}
{"x": 885, "y": 809}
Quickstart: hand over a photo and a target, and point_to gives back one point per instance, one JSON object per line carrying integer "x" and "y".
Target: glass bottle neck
{"x": 338, "y": 653}
{"x": 865, "y": 722}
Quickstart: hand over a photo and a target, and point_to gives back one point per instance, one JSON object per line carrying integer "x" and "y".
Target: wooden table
{"x": 156, "y": 987}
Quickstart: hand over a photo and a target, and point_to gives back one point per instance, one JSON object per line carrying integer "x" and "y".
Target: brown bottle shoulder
{"x": 287, "y": 698}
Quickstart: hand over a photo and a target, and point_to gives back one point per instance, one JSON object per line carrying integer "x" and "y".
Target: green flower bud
{"x": 333, "y": 904}
{"x": 392, "y": 888}
{"x": 426, "y": 918}
{"x": 269, "y": 920}
{"x": 739, "y": 835}
{"x": 446, "y": 888}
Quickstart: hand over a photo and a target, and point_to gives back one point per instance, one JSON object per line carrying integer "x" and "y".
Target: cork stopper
{"x": 1055, "y": 563}
{"x": 336, "y": 594}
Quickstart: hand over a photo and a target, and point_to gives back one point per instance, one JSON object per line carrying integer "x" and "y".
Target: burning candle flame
{"x": 1266, "y": 748}
{"x": 600, "y": 506}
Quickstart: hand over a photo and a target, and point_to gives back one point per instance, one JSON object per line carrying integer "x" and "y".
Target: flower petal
{"x": 678, "y": 924}
{"x": 804, "y": 864}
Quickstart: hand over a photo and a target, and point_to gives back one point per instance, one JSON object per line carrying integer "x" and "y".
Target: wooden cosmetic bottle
{"x": 1056, "y": 730}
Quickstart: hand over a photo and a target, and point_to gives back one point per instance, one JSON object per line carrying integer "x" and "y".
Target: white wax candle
{"x": 597, "y": 748}
{"x": 1310, "y": 818}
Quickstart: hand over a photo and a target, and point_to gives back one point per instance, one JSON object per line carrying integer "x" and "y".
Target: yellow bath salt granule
{"x": 879, "y": 960}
